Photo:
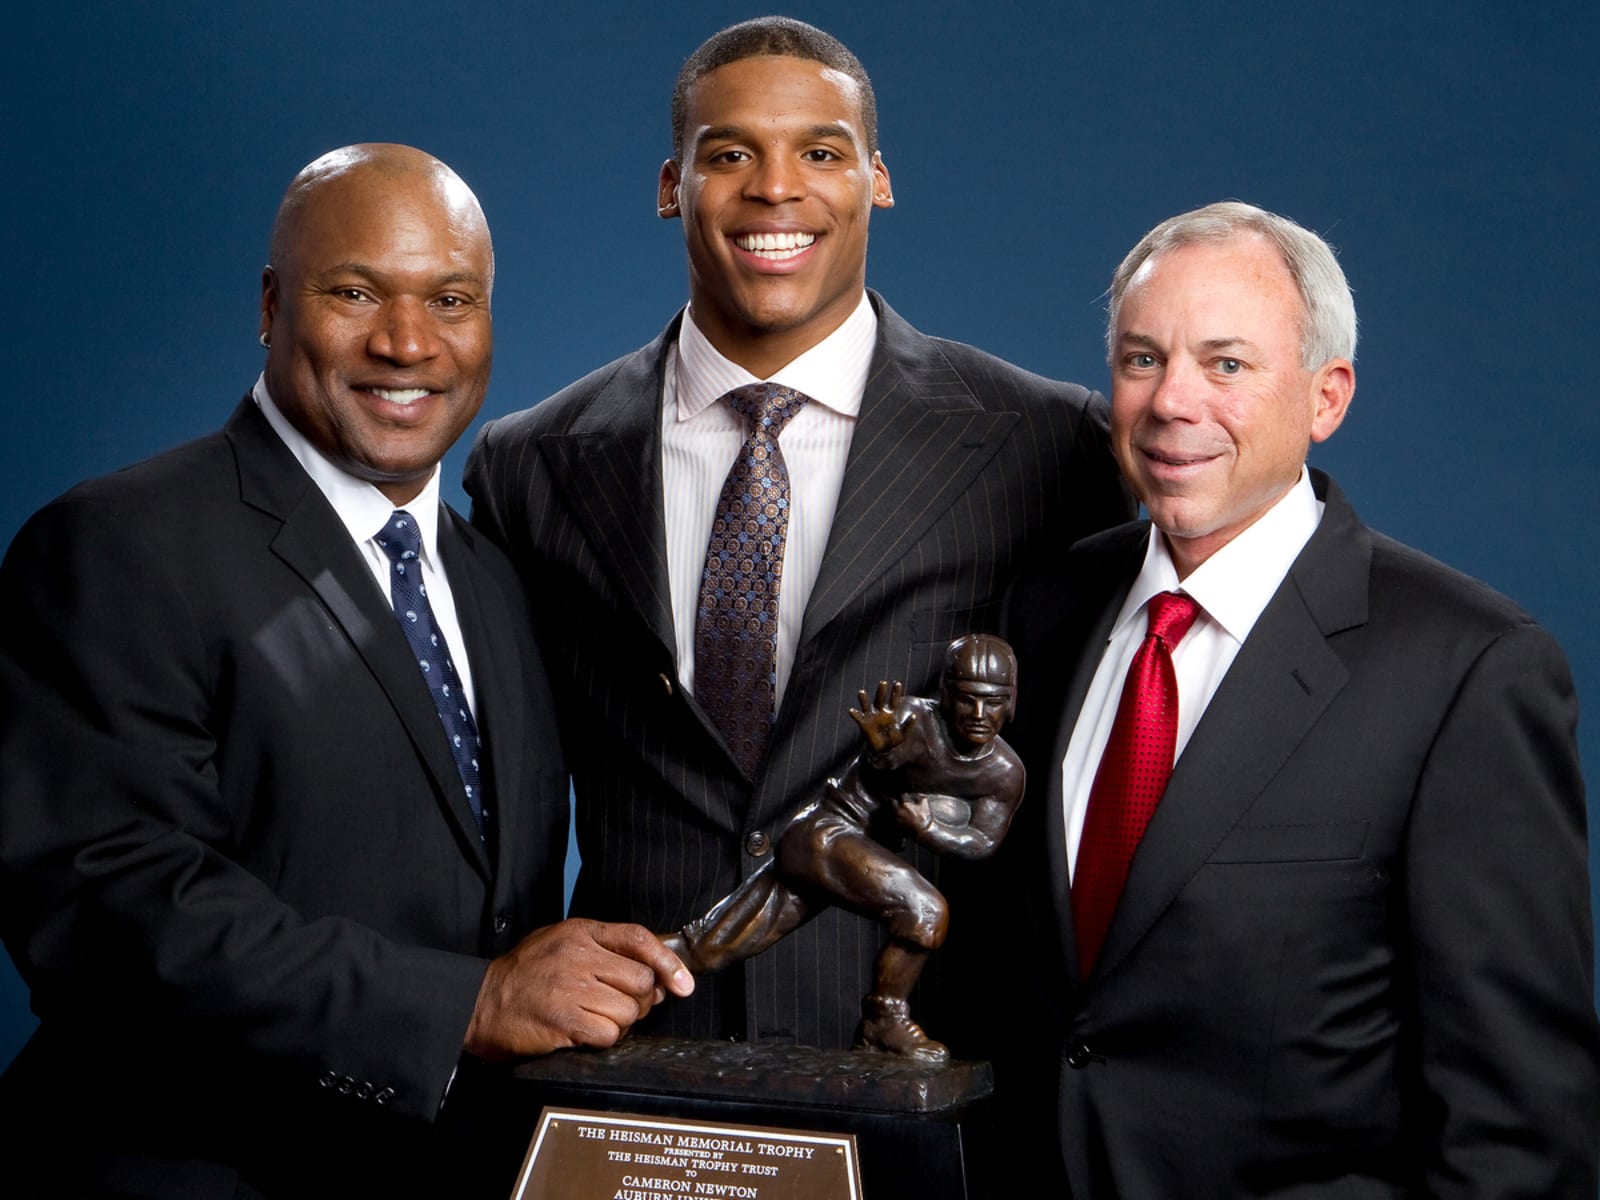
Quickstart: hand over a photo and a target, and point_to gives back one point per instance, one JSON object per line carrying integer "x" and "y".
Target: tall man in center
{"x": 786, "y": 497}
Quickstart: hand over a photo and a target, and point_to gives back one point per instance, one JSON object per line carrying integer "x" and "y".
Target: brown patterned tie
{"x": 736, "y": 627}
{"x": 1133, "y": 773}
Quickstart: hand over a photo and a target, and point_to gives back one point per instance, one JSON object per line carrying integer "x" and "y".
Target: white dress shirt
{"x": 1231, "y": 588}
{"x": 700, "y": 440}
{"x": 365, "y": 511}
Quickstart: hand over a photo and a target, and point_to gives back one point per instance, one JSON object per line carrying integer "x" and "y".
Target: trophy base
{"x": 914, "y": 1126}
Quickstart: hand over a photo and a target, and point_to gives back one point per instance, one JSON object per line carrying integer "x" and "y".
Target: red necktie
{"x": 1133, "y": 773}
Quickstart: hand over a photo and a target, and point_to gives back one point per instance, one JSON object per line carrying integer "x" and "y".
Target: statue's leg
{"x": 918, "y": 919}
{"x": 759, "y": 912}
{"x": 840, "y": 859}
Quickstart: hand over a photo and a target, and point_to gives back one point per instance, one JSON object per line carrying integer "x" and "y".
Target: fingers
{"x": 640, "y": 946}
{"x": 577, "y": 983}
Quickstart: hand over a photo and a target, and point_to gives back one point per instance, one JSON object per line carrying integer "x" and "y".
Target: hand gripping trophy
{"x": 936, "y": 771}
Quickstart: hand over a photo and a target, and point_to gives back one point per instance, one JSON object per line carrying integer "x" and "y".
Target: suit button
{"x": 383, "y": 1096}
{"x": 346, "y": 1085}
{"x": 328, "y": 1079}
{"x": 501, "y": 922}
{"x": 363, "y": 1090}
{"x": 666, "y": 682}
{"x": 757, "y": 844}
{"x": 1079, "y": 1057}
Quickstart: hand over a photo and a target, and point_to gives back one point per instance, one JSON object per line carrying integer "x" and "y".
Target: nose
{"x": 1177, "y": 393}
{"x": 981, "y": 707}
{"x": 404, "y": 332}
{"x": 774, "y": 179}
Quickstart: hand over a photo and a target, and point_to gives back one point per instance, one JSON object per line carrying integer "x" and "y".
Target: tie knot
{"x": 767, "y": 406}
{"x": 400, "y": 539}
{"x": 1171, "y": 614}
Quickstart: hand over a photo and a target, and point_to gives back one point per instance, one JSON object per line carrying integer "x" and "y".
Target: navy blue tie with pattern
{"x": 402, "y": 542}
{"x": 736, "y": 627}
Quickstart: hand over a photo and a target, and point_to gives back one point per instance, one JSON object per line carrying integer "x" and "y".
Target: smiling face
{"x": 1211, "y": 409}
{"x": 376, "y": 308}
{"x": 774, "y": 190}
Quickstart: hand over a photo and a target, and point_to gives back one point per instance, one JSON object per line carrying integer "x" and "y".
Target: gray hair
{"x": 1328, "y": 312}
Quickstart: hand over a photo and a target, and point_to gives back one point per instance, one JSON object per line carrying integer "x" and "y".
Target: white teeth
{"x": 774, "y": 245}
{"x": 399, "y": 395}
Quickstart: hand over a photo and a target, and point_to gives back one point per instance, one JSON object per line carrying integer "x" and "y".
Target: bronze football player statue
{"x": 936, "y": 771}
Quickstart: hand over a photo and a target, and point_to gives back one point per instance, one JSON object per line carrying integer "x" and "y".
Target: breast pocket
{"x": 1324, "y": 841}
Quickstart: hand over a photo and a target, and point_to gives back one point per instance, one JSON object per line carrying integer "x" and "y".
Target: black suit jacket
{"x": 958, "y": 461}
{"x": 1354, "y": 954}
{"x": 240, "y": 874}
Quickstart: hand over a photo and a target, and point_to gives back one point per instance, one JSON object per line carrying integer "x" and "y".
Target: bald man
{"x": 282, "y": 806}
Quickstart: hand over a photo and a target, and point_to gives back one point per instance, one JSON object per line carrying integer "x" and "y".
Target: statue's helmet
{"x": 983, "y": 658}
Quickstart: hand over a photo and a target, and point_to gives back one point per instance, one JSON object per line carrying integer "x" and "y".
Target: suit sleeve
{"x": 124, "y": 901}
{"x": 1497, "y": 894}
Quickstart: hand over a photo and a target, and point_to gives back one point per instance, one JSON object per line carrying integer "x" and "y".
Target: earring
{"x": 266, "y": 342}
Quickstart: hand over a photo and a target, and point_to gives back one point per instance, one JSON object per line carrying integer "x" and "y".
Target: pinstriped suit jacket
{"x": 958, "y": 462}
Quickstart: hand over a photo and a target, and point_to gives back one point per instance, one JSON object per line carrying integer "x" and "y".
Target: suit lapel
{"x": 316, "y": 546}
{"x": 609, "y": 469}
{"x": 498, "y": 693}
{"x": 921, "y": 439}
{"x": 1282, "y": 681}
{"x": 1072, "y": 654}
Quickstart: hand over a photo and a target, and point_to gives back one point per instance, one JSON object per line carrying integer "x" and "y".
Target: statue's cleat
{"x": 886, "y": 1026}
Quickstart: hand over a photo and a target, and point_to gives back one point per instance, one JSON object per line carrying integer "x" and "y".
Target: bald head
{"x": 368, "y": 163}
{"x": 375, "y": 312}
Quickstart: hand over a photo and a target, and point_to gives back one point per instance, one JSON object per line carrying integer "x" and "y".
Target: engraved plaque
{"x": 578, "y": 1154}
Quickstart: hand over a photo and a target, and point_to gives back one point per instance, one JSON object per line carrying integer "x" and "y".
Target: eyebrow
{"x": 739, "y": 133}
{"x": 367, "y": 271}
{"x": 1212, "y": 344}
{"x": 832, "y": 131}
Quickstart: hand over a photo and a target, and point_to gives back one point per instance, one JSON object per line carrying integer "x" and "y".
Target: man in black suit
{"x": 915, "y": 472}
{"x": 1351, "y": 953}
{"x": 273, "y": 867}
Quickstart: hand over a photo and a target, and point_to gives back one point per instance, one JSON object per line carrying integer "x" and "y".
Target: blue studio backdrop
{"x": 1446, "y": 149}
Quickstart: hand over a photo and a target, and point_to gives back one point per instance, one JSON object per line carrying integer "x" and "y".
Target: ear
{"x": 1334, "y": 385}
{"x": 667, "y": 191}
{"x": 269, "y": 303}
{"x": 882, "y": 192}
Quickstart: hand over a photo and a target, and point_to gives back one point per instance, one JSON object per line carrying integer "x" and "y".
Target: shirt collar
{"x": 362, "y": 508}
{"x": 832, "y": 373}
{"x": 1235, "y": 584}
